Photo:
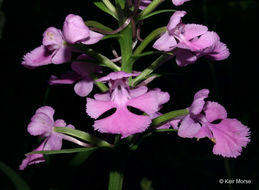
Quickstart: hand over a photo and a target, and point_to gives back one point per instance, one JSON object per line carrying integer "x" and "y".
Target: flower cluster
{"x": 123, "y": 95}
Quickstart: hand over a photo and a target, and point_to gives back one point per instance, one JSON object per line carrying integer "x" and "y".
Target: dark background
{"x": 168, "y": 161}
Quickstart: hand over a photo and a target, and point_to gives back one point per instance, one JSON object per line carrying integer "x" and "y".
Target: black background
{"x": 167, "y": 160}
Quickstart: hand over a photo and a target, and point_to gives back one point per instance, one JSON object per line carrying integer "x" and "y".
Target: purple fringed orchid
{"x": 145, "y": 3}
{"x": 190, "y": 41}
{"x": 120, "y": 96}
{"x": 81, "y": 75}
{"x": 229, "y": 135}
{"x": 42, "y": 124}
{"x": 54, "y": 48}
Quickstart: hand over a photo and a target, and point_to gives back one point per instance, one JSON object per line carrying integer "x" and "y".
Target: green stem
{"x": 158, "y": 62}
{"x": 169, "y": 116}
{"x": 101, "y": 86}
{"x": 154, "y": 34}
{"x": 149, "y": 9}
{"x": 115, "y": 180}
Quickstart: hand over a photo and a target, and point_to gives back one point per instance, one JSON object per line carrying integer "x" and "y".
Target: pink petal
{"x": 60, "y": 123}
{"x": 165, "y": 43}
{"x": 37, "y": 57}
{"x": 179, "y": 2}
{"x": 49, "y": 111}
{"x": 54, "y": 142}
{"x": 198, "y": 101}
{"x": 40, "y": 124}
{"x": 175, "y": 20}
{"x": 33, "y": 158}
{"x": 214, "y": 111}
{"x": 84, "y": 87}
{"x": 175, "y": 123}
{"x": 148, "y": 103}
{"x": 188, "y": 128}
{"x": 206, "y": 40}
{"x": 74, "y": 29}
{"x": 204, "y": 132}
{"x": 116, "y": 76}
{"x": 184, "y": 57}
{"x": 103, "y": 97}
{"x": 231, "y": 135}
{"x": 123, "y": 122}
{"x": 93, "y": 38}
{"x": 53, "y": 38}
{"x": 194, "y": 30}
{"x": 162, "y": 97}
{"x": 70, "y": 126}
{"x": 138, "y": 91}
{"x": 95, "y": 108}
{"x": 62, "y": 55}
{"x": 219, "y": 52}
{"x": 67, "y": 78}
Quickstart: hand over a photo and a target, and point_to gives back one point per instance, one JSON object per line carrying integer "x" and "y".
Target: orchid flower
{"x": 42, "y": 124}
{"x": 81, "y": 75}
{"x": 120, "y": 97}
{"x": 190, "y": 41}
{"x": 229, "y": 135}
{"x": 55, "y": 48}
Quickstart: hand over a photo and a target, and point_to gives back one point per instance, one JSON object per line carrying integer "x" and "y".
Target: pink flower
{"x": 54, "y": 48}
{"x": 42, "y": 124}
{"x": 81, "y": 75}
{"x": 191, "y": 41}
{"x": 121, "y": 97}
{"x": 229, "y": 135}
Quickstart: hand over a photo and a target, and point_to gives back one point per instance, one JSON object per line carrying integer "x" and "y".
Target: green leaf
{"x": 63, "y": 151}
{"x": 165, "y": 130}
{"x": 169, "y": 116}
{"x": 149, "y": 9}
{"x": 135, "y": 57}
{"x": 121, "y": 3}
{"x": 102, "y": 60}
{"x": 104, "y": 8}
{"x": 17, "y": 180}
{"x": 159, "y": 61}
{"x": 145, "y": 54}
{"x": 81, "y": 157}
{"x": 95, "y": 24}
{"x": 157, "y": 12}
{"x": 82, "y": 135}
{"x": 153, "y": 35}
{"x": 108, "y": 36}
